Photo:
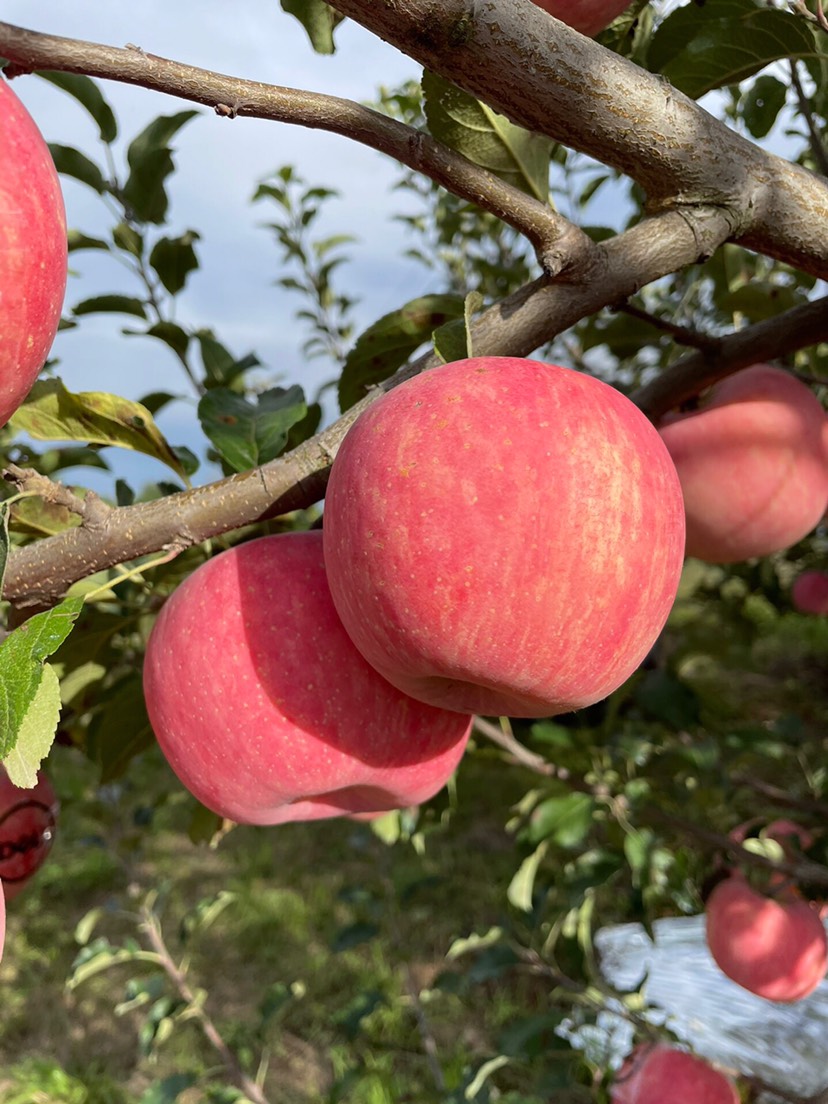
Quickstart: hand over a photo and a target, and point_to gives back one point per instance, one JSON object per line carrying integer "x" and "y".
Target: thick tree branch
{"x": 549, "y": 78}
{"x": 558, "y": 243}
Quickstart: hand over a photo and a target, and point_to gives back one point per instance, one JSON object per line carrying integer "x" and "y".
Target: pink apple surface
{"x": 504, "y": 537}
{"x": 809, "y": 593}
{"x": 660, "y": 1074}
{"x": 33, "y": 252}
{"x": 774, "y": 948}
{"x": 27, "y": 831}
{"x": 587, "y": 16}
{"x": 753, "y": 465}
{"x": 264, "y": 708}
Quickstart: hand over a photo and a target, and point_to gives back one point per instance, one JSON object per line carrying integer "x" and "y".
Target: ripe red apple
{"x": 27, "y": 831}
{"x": 587, "y": 16}
{"x": 809, "y": 592}
{"x": 753, "y": 465}
{"x": 504, "y": 536}
{"x": 775, "y": 948}
{"x": 33, "y": 254}
{"x": 659, "y": 1074}
{"x": 264, "y": 708}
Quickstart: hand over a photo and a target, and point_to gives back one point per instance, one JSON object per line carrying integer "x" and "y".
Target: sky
{"x": 219, "y": 164}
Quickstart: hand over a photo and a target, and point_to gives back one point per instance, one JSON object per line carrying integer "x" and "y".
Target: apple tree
{"x": 701, "y": 775}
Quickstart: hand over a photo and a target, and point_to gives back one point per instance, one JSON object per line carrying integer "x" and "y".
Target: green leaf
{"x": 761, "y": 104}
{"x": 565, "y": 820}
{"x": 89, "y": 95}
{"x": 220, "y": 366}
{"x": 121, "y": 729}
{"x": 171, "y": 334}
{"x": 465, "y": 124}
{"x": 78, "y": 240}
{"x": 51, "y": 413}
{"x": 520, "y": 888}
{"x": 247, "y": 435}
{"x": 168, "y": 1090}
{"x": 150, "y": 162}
{"x": 483, "y": 1074}
{"x": 36, "y": 732}
{"x": 319, "y": 20}
{"x": 390, "y": 341}
{"x": 174, "y": 259}
{"x": 41, "y": 518}
{"x": 353, "y": 936}
{"x": 126, "y": 237}
{"x": 453, "y": 341}
{"x": 72, "y": 162}
{"x": 22, "y": 657}
{"x": 699, "y": 48}
{"x": 107, "y": 304}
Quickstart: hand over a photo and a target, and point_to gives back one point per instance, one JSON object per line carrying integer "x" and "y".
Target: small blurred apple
{"x": 809, "y": 593}
{"x": 659, "y": 1074}
{"x": 27, "y": 831}
{"x": 587, "y": 16}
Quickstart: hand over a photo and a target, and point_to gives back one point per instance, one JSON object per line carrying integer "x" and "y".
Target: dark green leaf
{"x": 319, "y": 20}
{"x": 126, "y": 237}
{"x": 699, "y": 48}
{"x": 121, "y": 304}
{"x": 565, "y": 820}
{"x": 486, "y": 138}
{"x": 667, "y": 700}
{"x": 247, "y": 435}
{"x": 352, "y": 936}
{"x": 156, "y": 400}
{"x": 51, "y": 413}
{"x": 220, "y": 366}
{"x": 72, "y": 162}
{"x": 171, "y": 334}
{"x": 89, "y": 95}
{"x": 120, "y": 729}
{"x": 168, "y": 1090}
{"x": 151, "y": 162}
{"x": 4, "y": 542}
{"x": 390, "y": 341}
{"x": 174, "y": 259}
{"x": 78, "y": 241}
{"x": 762, "y": 103}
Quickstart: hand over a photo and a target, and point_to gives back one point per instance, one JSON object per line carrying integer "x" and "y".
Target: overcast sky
{"x": 219, "y": 162}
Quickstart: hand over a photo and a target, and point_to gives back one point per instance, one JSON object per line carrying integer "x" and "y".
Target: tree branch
{"x": 768, "y": 340}
{"x": 547, "y": 77}
{"x": 559, "y": 244}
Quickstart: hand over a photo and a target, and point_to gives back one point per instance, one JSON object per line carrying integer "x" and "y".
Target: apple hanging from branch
{"x": 659, "y": 1074}
{"x": 753, "y": 465}
{"x": 33, "y": 252}
{"x": 27, "y": 831}
{"x": 264, "y": 708}
{"x": 587, "y": 16}
{"x": 504, "y": 536}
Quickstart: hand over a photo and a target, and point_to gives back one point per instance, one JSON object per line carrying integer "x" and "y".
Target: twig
{"x": 515, "y": 750}
{"x": 426, "y": 1034}
{"x": 559, "y": 244}
{"x": 152, "y": 930}
{"x": 775, "y": 337}
{"x": 92, "y": 508}
{"x": 682, "y": 335}
{"x": 817, "y": 148}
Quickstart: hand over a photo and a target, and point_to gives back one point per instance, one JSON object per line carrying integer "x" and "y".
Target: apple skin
{"x": 264, "y": 708}
{"x": 753, "y": 465}
{"x": 587, "y": 16}
{"x": 660, "y": 1074}
{"x": 27, "y": 831}
{"x": 809, "y": 593}
{"x": 504, "y": 537}
{"x": 33, "y": 252}
{"x": 774, "y": 948}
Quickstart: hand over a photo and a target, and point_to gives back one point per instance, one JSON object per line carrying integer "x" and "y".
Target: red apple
{"x": 775, "y": 948}
{"x": 27, "y": 831}
{"x": 809, "y": 592}
{"x": 504, "y": 536}
{"x": 659, "y": 1074}
{"x": 753, "y": 465}
{"x": 33, "y": 256}
{"x": 587, "y": 16}
{"x": 267, "y": 712}
{"x": 2, "y": 921}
